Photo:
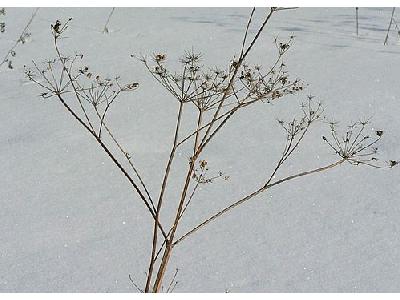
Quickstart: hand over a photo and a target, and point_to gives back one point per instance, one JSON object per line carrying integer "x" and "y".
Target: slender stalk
{"x": 171, "y": 284}
{"x": 128, "y": 158}
{"x": 390, "y": 25}
{"x": 60, "y": 57}
{"x": 200, "y": 129}
{"x": 253, "y": 194}
{"x": 160, "y": 199}
{"x": 90, "y": 128}
{"x": 236, "y": 70}
{"x": 247, "y": 30}
{"x": 105, "y": 30}
{"x": 204, "y": 141}
{"x": 197, "y": 131}
{"x": 357, "y": 20}
{"x": 115, "y": 161}
{"x": 21, "y": 36}
{"x": 289, "y": 149}
{"x": 169, "y": 244}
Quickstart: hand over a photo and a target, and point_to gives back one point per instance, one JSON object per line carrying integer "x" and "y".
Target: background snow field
{"x": 70, "y": 222}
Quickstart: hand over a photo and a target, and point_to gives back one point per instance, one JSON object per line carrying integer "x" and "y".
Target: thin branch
{"x": 105, "y": 30}
{"x": 134, "y": 284}
{"x": 390, "y": 25}
{"x": 21, "y": 37}
{"x": 115, "y": 161}
{"x": 236, "y": 69}
{"x": 255, "y": 193}
{"x": 357, "y": 21}
{"x": 227, "y": 93}
{"x": 60, "y": 57}
{"x": 247, "y": 30}
{"x": 160, "y": 199}
{"x": 128, "y": 158}
{"x": 173, "y": 283}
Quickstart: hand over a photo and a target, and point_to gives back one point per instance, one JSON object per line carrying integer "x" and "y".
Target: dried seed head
{"x": 56, "y": 26}
{"x": 130, "y": 86}
{"x": 160, "y": 57}
{"x": 203, "y": 164}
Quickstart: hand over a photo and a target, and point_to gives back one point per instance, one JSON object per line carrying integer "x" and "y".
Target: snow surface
{"x": 70, "y": 222}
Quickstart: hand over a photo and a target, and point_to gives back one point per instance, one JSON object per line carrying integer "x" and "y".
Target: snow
{"x": 70, "y": 222}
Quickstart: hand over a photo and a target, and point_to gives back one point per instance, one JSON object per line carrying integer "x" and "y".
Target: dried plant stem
{"x": 160, "y": 199}
{"x": 89, "y": 127}
{"x": 173, "y": 283}
{"x": 169, "y": 243}
{"x": 190, "y": 199}
{"x": 77, "y": 94}
{"x": 149, "y": 203}
{"x": 128, "y": 158}
{"x": 105, "y": 30}
{"x": 124, "y": 153}
{"x": 239, "y": 105}
{"x": 208, "y": 139}
{"x": 216, "y": 95}
{"x": 247, "y": 30}
{"x": 20, "y": 37}
{"x": 289, "y": 149}
{"x": 390, "y": 25}
{"x": 357, "y": 21}
{"x": 236, "y": 69}
{"x": 255, "y": 193}
{"x": 260, "y": 30}
{"x": 114, "y": 160}
{"x": 134, "y": 284}
{"x": 197, "y": 131}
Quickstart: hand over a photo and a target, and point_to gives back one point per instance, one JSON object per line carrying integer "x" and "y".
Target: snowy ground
{"x": 69, "y": 222}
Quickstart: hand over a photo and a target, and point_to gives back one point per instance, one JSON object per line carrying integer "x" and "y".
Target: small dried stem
{"x": 115, "y": 161}
{"x": 252, "y": 195}
{"x": 390, "y": 26}
{"x": 160, "y": 199}
{"x": 105, "y": 30}
{"x": 173, "y": 283}
{"x": 236, "y": 69}
{"x": 20, "y": 38}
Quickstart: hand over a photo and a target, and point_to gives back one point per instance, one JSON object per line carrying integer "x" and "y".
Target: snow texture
{"x": 70, "y": 222}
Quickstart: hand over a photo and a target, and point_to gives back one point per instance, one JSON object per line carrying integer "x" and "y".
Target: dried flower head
{"x": 356, "y": 146}
{"x": 160, "y": 57}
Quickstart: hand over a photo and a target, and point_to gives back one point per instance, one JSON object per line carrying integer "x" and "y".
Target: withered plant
{"x": 216, "y": 96}
{"x": 25, "y": 34}
{"x": 357, "y": 21}
{"x": 391, "y": 23}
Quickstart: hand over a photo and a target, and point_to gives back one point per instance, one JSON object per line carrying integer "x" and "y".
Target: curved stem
{"x": 115, "y": 161}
